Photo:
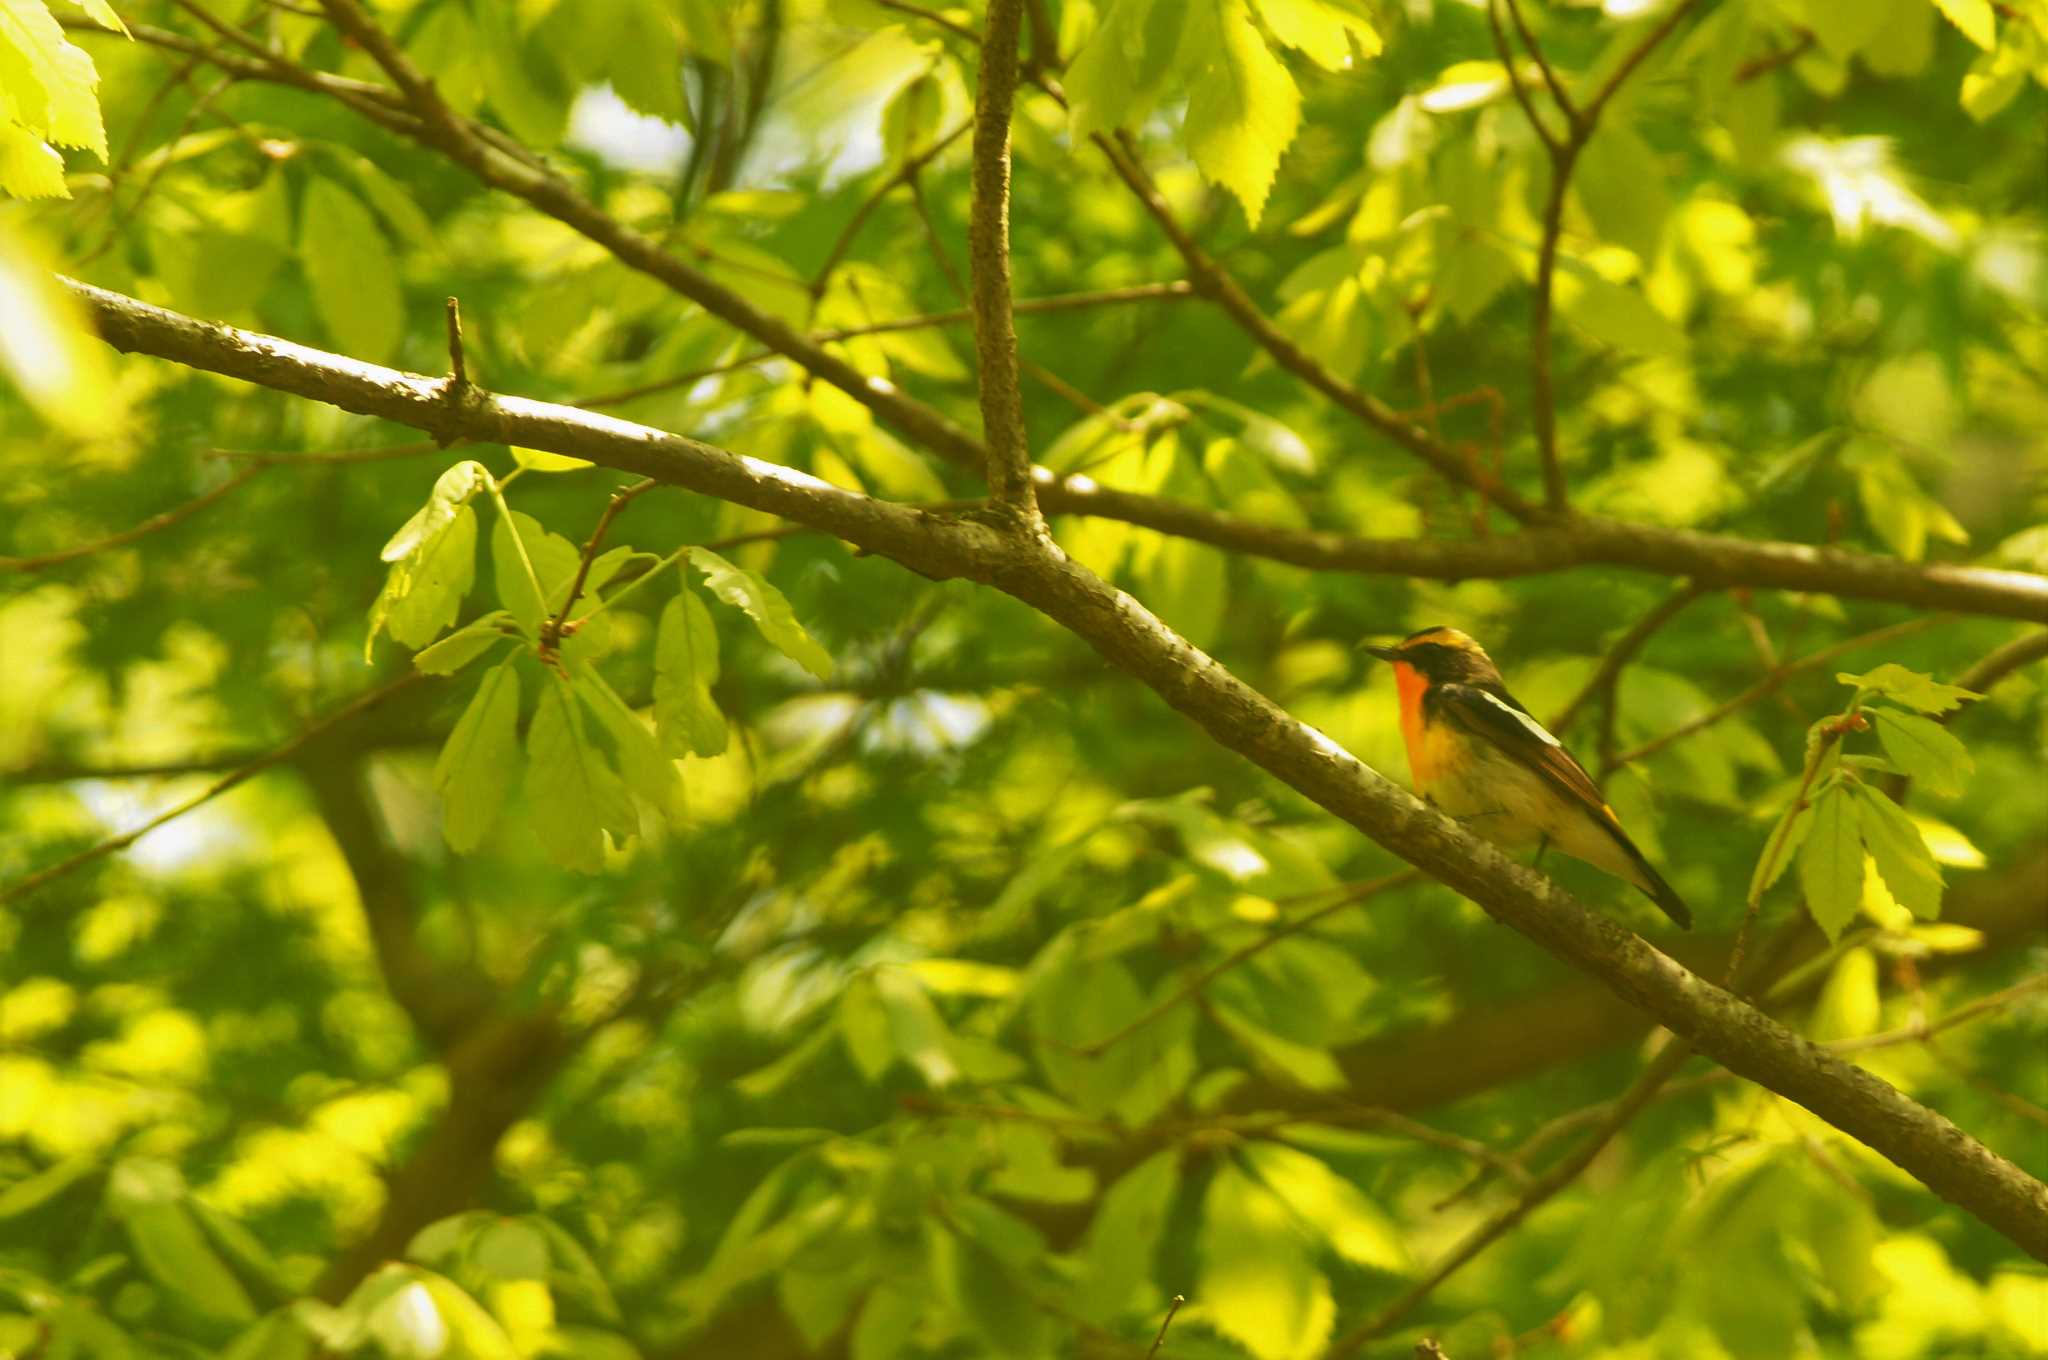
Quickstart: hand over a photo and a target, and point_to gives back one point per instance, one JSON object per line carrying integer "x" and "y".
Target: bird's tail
{"x": 1663, "y": 894}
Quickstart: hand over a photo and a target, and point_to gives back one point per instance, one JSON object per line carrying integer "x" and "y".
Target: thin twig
{"x": 1604, "y": 678}
{"x": 1172, "y": 1307}
{"x": 458, "y": 366}
{"x": 1515, "y": 85}
{"x": 551, "y": 630}
{"x": 1201, "y": 980}
{"x": 1771, "y": 61}
{"x": 907, "y": 172}
{"x": 361, "y": 704}
{"x": 1660, "y": 1070}
{"x": 1771, "y": 683}
{"x": 142, "y": 530}
{"x": 1572, "y": 116}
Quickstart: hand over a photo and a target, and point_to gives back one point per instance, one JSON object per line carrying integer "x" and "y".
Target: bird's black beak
{"x": 1383, "y": 653}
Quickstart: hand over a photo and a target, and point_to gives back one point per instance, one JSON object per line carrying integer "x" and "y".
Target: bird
{"x": 1478, "y": 756}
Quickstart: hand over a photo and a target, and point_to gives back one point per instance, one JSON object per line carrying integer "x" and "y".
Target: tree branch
{"x": 988, "y": 250}
{"x": 1237, "y": 717}
{"x": 142, "y": 530}
{"x": 21, "y": 887}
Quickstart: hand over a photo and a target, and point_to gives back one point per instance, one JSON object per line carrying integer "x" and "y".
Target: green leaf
{"x": 464, "y": 645}
{"x": 915, "y": 1025}
{"x": 453, "y": 489}
{"x": 172, "y": 1250}
{"x": 1311, "y": 1068}
{"x": 511, "y": 1250}
{"x": 535, "y": 113}
{"x": 1617, "y": 314}
{"x": 887, "y": 1320}
{"x": 865, "y": 1029}
{"x": 1760, "y": 881}
{"x": 554, "y": 560}
{"x": 1911, "y": 688}
{"x": 1831, "y": 861}
{"x": 765, "y": 605}
{"x": 1622, "y": 185}
{"x": 539, "y": 460}
{"x": 1321, "y": 32}
{"x": 393, "y": 202}
{"x": 1924, "y": 749}
{"x": 46, "y": 83}
{"x": 575, "y": 1273}
{"x": 1116, "y": 77}
{"x": 1244, "y": 109}
{"x": 478, "y": 764}
{"x": 1257, "y": 1281}
{"x": 423, "y": 594}
{"x": 648, "y": 770}
{"x": 1901, "y": 853}
{"x": 353, "y": 277}
{"x": 33, "y": 1192}
{"x": 1352, "y": 1224}
{"x": 1848, "y": 1007}
{"x": 1123, "y": 1236}
{"x": 572, "y": 792}
{"x": 686, "y": 717}
{"x": 1974, "y": 18}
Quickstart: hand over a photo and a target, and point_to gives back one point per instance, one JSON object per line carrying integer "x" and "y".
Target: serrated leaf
{"x": 1244, "y": 109}
{"x": 480, "y": 761}
{"x": 1356, "y": 1228}
{"x": 1900, "y": 851}
{"x": 686, "y": 717}
{"x": 1924, "y": 749}
{"x": 46, "y": 83}
{"x": 463, "y": 646}
{"x": 1916, "y": 691}
{"x": 1831, "y": 861}
{"x": 767, "y": 607}
{"x": 572, "y": 791}
{"x": 30, "y": 167}
{"x": 353, "y": 277}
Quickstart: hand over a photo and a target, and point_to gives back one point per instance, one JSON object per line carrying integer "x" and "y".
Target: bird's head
{"x": 1441, "y": 656}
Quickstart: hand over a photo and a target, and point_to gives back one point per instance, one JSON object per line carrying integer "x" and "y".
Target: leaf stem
{"x": 518, "y": 544}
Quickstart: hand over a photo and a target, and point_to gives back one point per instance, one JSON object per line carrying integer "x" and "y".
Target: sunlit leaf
{"x": 766, "y": 606}
{"x": 1900, "y": 852}
{"x": 1257, "y": 1283}
{"x": 353, "y": 276}
{"x": 1244, "y": 109}
{"x": 1916, "y": 691}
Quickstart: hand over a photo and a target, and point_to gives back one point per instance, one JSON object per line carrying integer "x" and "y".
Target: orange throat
{"x": 1410, "y": 684}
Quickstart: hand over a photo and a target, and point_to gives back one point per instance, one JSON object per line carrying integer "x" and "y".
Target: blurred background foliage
{"x": 887, "y": 1041}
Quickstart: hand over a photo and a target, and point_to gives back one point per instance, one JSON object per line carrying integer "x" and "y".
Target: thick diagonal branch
{"x": 1946, "y": 1159}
